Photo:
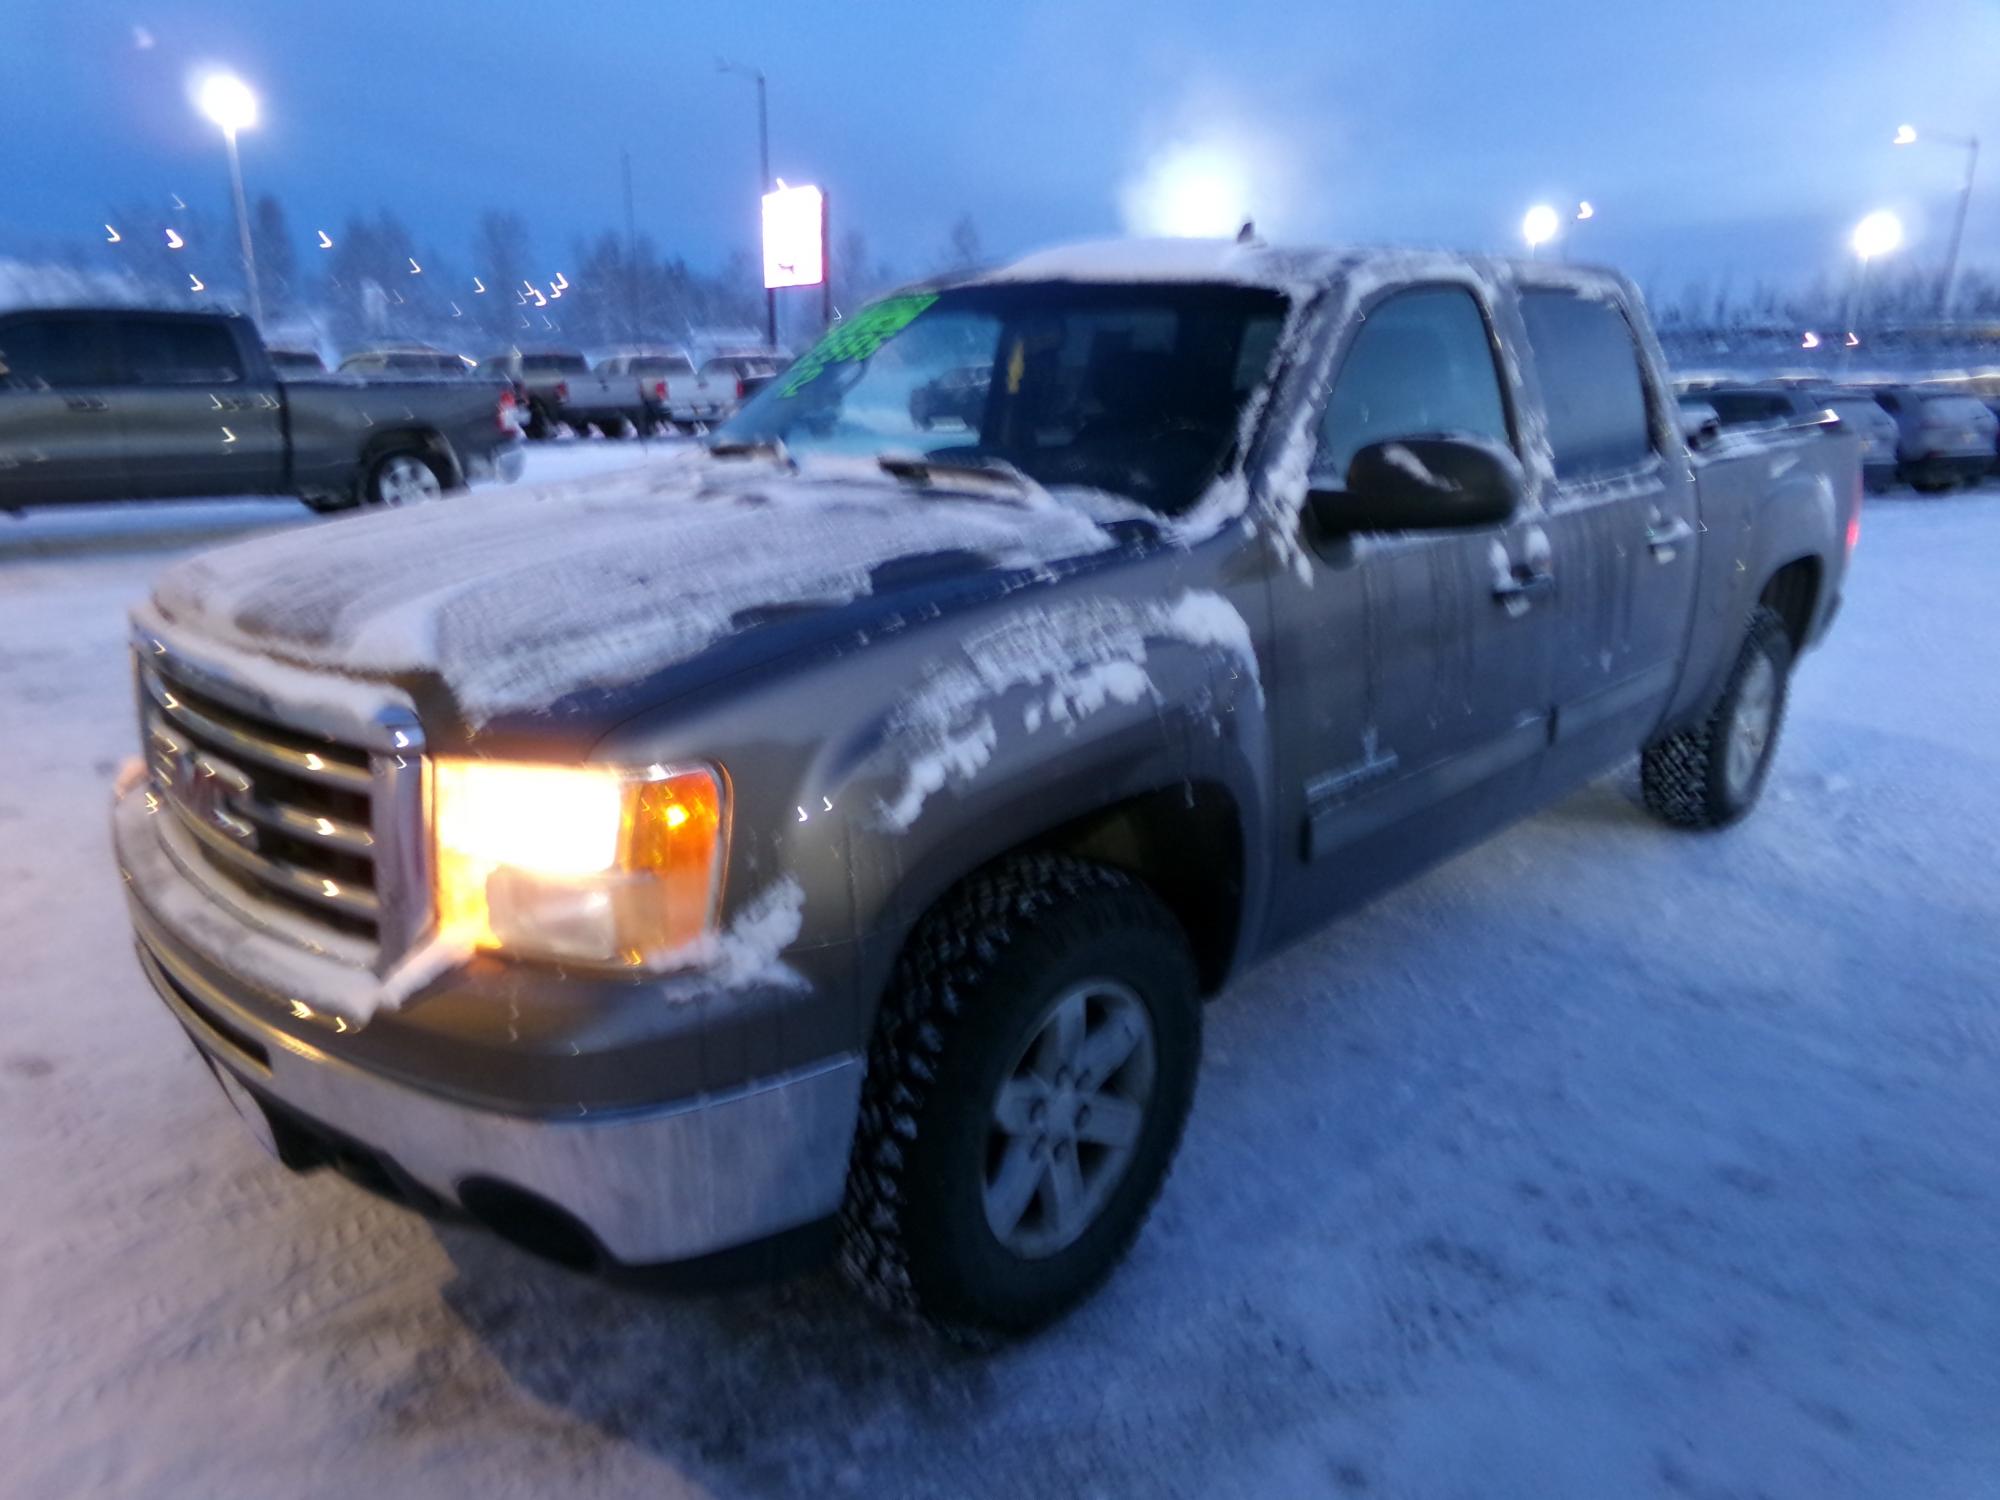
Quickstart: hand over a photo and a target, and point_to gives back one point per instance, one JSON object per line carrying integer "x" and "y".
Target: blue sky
{"x": 1715, "y": 139}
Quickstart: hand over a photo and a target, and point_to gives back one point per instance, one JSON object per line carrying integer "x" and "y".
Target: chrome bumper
{"x": 689, "y": 1178}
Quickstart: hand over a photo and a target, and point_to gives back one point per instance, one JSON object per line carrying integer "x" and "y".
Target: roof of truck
{"x": 1257, "y": 264}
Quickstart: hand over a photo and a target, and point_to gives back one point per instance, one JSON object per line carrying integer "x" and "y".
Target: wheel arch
{"x": 426, "y": 442}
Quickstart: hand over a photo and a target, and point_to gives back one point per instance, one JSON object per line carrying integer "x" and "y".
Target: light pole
{"x": 1906, "y": 135}
{"x": 1538, "y": 227}
{"x": 227, "y": 100}
{"x": 1878, "y": 234}
{"x": 764, "y": 180}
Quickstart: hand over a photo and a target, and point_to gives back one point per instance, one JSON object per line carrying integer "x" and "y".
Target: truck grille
{"x": 283, "y": 815}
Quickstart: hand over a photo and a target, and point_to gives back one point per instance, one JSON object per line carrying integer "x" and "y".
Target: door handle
{"x": 1525, "y": 583}
{"x": 86, "y": 403}
{"x": 1662, "y": 538}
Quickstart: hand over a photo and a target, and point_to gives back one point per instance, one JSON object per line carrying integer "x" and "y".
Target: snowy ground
{"x": 1604, "y": 1162}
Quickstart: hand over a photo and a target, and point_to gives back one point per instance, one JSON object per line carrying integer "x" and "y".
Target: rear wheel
{"x": 1711, "y": 775}
{"x": 402, "y": 479}
{"x": 1030, "y": 1076}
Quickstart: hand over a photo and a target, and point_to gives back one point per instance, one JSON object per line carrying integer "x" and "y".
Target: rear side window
{"x": 39, "y": 354}
{"x": 1590, "y": 377}
{"x": 175, "y": 353}
{"x": 1420, "y": 365}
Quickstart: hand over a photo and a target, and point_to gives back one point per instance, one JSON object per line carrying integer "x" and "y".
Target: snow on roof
{"x": 1170, "y": 260}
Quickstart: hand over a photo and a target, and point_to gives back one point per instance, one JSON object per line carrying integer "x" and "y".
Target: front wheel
{"x": 1029, "y": 1079}
{"x": 1711, "y": 775}
{"x": 402, "y": 479}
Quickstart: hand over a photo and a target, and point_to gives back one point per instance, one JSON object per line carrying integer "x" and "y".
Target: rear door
{"x": 58, "y": 425}
{"x": 195, "y": 419}
{"x": 1622, "y": 520}
{"x": 1418, "y": 663}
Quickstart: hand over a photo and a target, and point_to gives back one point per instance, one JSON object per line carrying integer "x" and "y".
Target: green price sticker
{"x": 856, "y": 339}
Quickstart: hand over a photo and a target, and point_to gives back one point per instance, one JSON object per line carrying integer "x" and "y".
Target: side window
{"x": 41, "y": 354}
{"x": 1420, "y": 365}
{"x": 1588, "y": 364}
{"x": 167, "y": 352}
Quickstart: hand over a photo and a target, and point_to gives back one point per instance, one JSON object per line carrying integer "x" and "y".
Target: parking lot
{"x": 1603, "y": 1161}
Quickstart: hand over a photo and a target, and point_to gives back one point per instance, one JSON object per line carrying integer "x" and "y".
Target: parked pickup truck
{"x": 723, "y": 383}
{"x": 661, "y": 376}
{"x": 541, "y": 379}
{"x": 130, "y": 405}
{"x": 828, "y": 836}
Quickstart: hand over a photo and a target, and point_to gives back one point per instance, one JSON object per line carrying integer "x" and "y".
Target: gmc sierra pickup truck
{"x": 828, "y": 836}
{"x": 125, "y": 404}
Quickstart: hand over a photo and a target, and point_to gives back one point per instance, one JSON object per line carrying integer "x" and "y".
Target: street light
{"x": 1906, "y": 135}
{"x": 1538, "y": 227}
{"x": 1878, "y": 234}
{"x": 722, "y": 65}
{"x": 227, "y": 100}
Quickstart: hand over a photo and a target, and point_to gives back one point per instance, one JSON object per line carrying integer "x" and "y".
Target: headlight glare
{"x": 579, "y": 864}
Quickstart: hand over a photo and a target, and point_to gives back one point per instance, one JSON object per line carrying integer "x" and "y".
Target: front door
{"x": 58, "y": 418}
{"x": 1417, "y": 664}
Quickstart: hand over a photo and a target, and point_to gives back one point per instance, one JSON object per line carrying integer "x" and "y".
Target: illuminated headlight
{"x": 577, "y": 864}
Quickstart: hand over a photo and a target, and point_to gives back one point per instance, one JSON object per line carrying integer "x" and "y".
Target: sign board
{"x": 794, "y": 237}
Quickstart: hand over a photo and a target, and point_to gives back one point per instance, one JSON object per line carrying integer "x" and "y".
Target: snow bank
{"x": 518, "y": 600}
{"x": 1076, "y": 656}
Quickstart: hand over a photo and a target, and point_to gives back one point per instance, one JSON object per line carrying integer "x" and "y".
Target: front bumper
{"x": 673, "y": 1181}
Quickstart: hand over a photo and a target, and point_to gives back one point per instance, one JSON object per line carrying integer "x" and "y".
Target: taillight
{"x": 739, "y": 387}
{"x": 659, "y": 390}
{"x": 1854, "y": 525}
{"x": 507, "y": 414}
{"x": 562, "y": 392}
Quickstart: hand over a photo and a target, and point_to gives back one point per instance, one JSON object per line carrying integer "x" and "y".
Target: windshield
{"x": 1133, "y": 389}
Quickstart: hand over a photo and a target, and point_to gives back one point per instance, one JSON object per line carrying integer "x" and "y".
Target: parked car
{"x": 110, "y": 404}
{"x": 1943, "y": 438}
{"x": 1862, "y": 415}
{"x": 722, "y": 384}
{"x": 663, "y": 377}
{"x": 407, "y": 362}
{"x": 831, "y": 839}
{"x": 541, "y": 379}
{"x": 955, "y": 396}
{"x": 289, "y": 362}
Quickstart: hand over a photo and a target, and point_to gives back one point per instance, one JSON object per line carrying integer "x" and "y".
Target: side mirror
{"x": 1701, "y": 426}
{"x": 1422, "y": 484}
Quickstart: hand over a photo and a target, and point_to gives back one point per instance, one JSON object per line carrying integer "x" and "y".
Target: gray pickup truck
{"x": 123, "y": 404}
{"x": 828, "y": 836}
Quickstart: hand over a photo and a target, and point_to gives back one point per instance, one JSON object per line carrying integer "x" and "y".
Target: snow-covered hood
{"x": 514, "y": 601}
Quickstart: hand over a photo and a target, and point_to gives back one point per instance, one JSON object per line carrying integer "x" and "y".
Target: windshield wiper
{"x": 919, "y": 470}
